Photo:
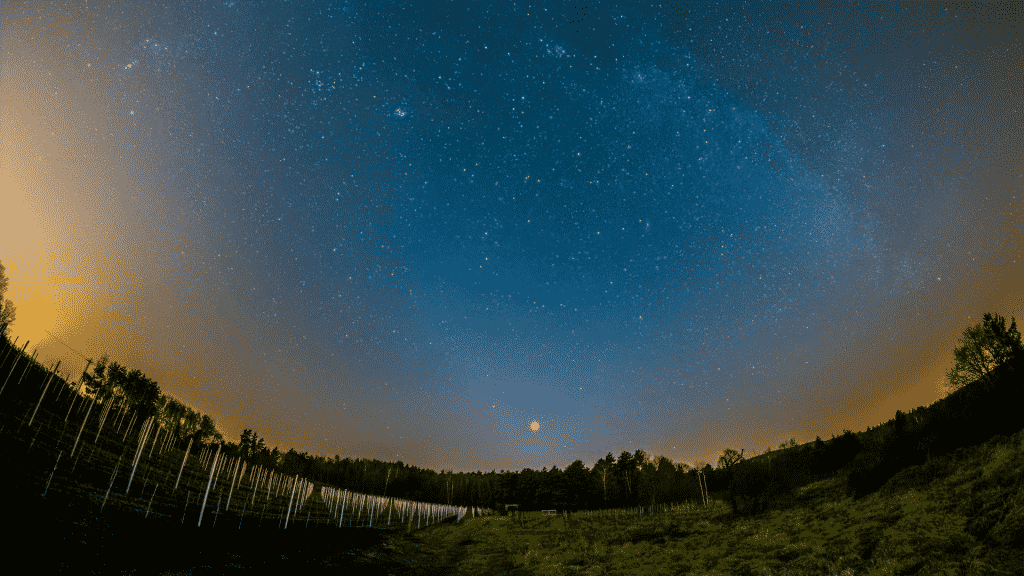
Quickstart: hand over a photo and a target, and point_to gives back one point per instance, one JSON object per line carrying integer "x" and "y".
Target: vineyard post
{"x": 143, "y": 435}
{"x": 157, "y": 435}
{"x": 151, "y": 500}
{"x": 239, "y": 472}
{"x": 343, "y": 503}
{"x": 182, "y": 464}
{"x": 112, "y": 476}
{"x": 53, "y": 371}
{"x": 295, "y": 481}
{"x": 185, "y": 509}
{"x": 103, "y": 418}
{"x": 208, "y": 483}
{"x": 84, "y": 420}
{"x": 51, "y": 473}
{"x": 11, "y": 347}
{"x": 15, "y": 365}
{"x": 74, "y": 397}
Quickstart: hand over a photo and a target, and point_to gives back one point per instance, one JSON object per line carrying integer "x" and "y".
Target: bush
{"x": 757, "y": 485}
{"x": 867, "y": 473}
{"x": 827, "y": 457}
{"x": 1010, "y": 530}
{"x": 918, "y": 476}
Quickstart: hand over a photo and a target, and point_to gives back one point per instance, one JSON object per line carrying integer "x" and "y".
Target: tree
{"x": 626, "y": 469}
{"x": 645, "y": 481}
{"x": 251, "y": 444}
{"x": 207, "y": 430}
{"x": 191, "y": 422}
{"x": 174, "y": 414}
{"x": 666, "y": 480}
{"x": 602, "y": 469}
{"x": 784, "y": 445}
{"x": 117, "y": 376}
{"x": 142, "y": 393}
{"x": 983, "y": 347}
{"x": 729, "y": 458}
{"x": 99, "y": 383}
{"x": 7, "y": 309}
{"x": 576, "y": 476}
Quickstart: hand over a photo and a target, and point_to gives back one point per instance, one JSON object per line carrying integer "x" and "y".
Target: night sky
{"x": 410, "y": 231}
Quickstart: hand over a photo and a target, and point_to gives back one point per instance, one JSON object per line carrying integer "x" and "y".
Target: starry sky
{"x": 412, "y": 230}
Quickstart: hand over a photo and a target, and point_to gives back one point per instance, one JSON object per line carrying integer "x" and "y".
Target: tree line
{"x": 984, "y": 400}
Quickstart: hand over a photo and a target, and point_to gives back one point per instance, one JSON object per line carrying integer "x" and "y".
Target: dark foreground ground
{"x": 63, "y": 534}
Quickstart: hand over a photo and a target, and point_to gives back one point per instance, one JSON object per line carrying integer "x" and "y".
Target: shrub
{"x": 867, "y": 473}
{"x": 1010, "y": 530}
{"x": 918, "y": 476}
{"x": 758, "y": 485}
{"x": 836, "y": 453}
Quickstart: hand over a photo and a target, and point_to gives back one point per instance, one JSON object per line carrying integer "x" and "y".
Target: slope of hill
{"x": 961, "y": 513}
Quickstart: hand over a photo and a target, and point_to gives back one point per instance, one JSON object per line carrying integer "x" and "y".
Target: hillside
{"x": 961, "y": 513}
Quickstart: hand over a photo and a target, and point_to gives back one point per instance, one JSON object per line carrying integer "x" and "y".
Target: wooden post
{"x": 45, "y": 388}
{"x": 151, "y": 500}
{"x": 10, "y": 350}
{"x": 143, "y": 436}
{"x": 208, "y": 483}
{"x": 112, "y": 476}
{"x": 103, "y": 418}
{"x": 155, "y": 436}
{"x": 182, "y": 464}
{"x": 84, "y": 420}
{"x": 295, "y": 481}
{"x": 234, "y": 476}
{"x": 51, "y": 473}
{"x": 13, "y": 366}
{"x": 74, "y": 397}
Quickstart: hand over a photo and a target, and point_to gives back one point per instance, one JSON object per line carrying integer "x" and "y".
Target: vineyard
{"x": 77, "y": 464}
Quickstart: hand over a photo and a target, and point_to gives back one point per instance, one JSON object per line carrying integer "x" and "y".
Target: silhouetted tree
{"x": 667, "y": 481}
{"x": 174, "y": 416}
{"x": 251, "y": 444}
{"x": 293, "y": 463}
{"x": 7, "y": 310}
{"x": 900, "y": 423}
{"x": 983, "y": 347}
{"x": 625, "y": 469}
{"x": 142, "y": 393}
{"x": 527, "y": 488}
{"x": 646, "y": 478}
{"x": 207, "y": 431}
{"x": 729, "y": 457}
{"x": 99, "y": 383}
{"x": 190, "y": 425}
{"x": 790, "y": 444}
{"x": 604, "y": 475}
{"x": 576, "y": 485}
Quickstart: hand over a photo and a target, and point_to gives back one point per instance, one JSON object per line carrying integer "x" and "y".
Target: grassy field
{"x": 959, "y": 514}
{"x": 926, "y": 520}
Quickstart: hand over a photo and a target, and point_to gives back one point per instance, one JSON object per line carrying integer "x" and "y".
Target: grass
{"x": 959, "y": 514}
